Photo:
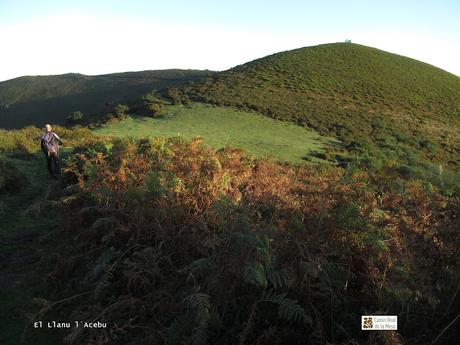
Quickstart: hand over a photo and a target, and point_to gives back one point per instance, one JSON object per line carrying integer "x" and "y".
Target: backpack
{"x": 50, "y": 144}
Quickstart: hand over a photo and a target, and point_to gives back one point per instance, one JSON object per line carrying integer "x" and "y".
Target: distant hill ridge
{"x": 35, "y": 99}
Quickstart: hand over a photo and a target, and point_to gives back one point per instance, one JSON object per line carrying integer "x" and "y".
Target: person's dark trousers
{"x": 54, "y": 167}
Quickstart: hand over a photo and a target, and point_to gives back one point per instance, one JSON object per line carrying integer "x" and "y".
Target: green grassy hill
{"x": 34, "y": 100}
{"x": 169, "y": 241}
{"x": 376, "y": 102}
{"x": 222, "y": 127}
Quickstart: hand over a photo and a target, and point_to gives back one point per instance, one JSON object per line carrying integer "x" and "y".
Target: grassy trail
{"x": 25, "y": 234}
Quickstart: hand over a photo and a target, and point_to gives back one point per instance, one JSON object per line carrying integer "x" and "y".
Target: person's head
{"x": 48, "y": 128}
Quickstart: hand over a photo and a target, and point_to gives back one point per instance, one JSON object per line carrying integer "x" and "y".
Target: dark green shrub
{"x": 177, "y": 96}
{"x": 23, "y": 151}
{"x": 4, "y": 209}
{"x": 153, "y": 109}
{"x": 75, "y": 117}
{"x": 404, "y": 170}
{"x": 121, "y": 110}
{"x": 151, "y": 97}
{"x": 428, "y": 146}
{"x": 361, "y": 145}
{"x": 151, "y": 105}
{"x": 11, "y": 179}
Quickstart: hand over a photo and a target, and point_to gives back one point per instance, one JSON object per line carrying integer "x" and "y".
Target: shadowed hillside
{"x": 34, "y": 100}
{"x": 374, "y": 101}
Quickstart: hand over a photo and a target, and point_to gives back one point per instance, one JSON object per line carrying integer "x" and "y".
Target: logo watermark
{"x": 379, "y": 322}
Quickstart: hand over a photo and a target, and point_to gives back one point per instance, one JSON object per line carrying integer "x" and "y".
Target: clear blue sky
{"x": 375, "y": 23}
{"x": 284, "y": 15}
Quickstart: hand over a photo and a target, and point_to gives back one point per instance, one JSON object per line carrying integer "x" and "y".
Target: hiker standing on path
{"x": 50, "y": 142}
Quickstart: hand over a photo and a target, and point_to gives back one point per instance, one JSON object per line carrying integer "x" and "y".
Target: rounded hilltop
{"x": 354, "y": 92}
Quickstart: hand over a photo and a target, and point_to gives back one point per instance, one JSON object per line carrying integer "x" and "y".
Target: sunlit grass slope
{"x": 366, "y": 97}
{"x": 221, "y": 126}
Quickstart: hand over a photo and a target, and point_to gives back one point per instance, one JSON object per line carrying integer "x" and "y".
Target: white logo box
{"x": 379, "y": 322}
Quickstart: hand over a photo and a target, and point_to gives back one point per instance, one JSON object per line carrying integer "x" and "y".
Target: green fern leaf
{"x": 278, "y": 279}
{"x": 199, "y": 301}
{"x": 104, "y": 282}
{"x": 254, "y": 273}
{"x": 288, "y": 309}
